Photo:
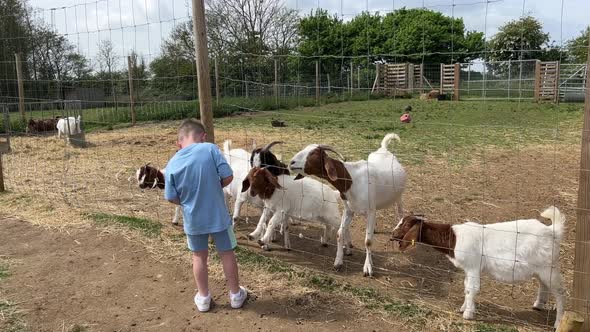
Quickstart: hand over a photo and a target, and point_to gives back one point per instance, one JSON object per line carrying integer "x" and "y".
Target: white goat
{"x": 239, "y": 161}
{"x": 510, "y": 251}
{"x": 365, "y": 186}
{"x": 68, "y": 126}
{"x": 149, "y": 177}
{"x": 304, "y": 200}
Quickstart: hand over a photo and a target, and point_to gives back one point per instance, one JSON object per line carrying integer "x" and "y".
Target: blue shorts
{"x": 224, "y": 240}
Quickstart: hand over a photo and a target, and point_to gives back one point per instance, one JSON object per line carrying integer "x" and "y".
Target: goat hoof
{"x": 324, "y": 245}
{"x": 261, "y": 243}
{"x": 539, "y": 306}
{"x": 338, "y": 267}
{"x": 469, "y": 315}
{"x": 348, "y": 253}
{"x": 265, "y": 247}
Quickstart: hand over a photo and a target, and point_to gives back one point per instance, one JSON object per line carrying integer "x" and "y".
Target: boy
{"x": 195, "y": 178}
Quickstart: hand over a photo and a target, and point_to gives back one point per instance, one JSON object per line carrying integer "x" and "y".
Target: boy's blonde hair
{"x": 190, "y": 127}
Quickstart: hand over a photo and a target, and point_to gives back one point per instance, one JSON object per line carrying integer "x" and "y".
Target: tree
{"x": 577, "y": 48}
{"x": 106, "y": 56}
{"x": 518, "y": 39}
{"x": 15, "y": 37}
{"x": 412, "y": 35}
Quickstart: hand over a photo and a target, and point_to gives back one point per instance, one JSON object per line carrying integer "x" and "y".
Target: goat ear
{"x": 411, "y": 237}
{"x": 299, "y": 177}
{"x": 330, "y": 169}
{"x": 245, "y": 184}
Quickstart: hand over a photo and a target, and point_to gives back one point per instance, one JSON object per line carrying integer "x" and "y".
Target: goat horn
{"x": 329, "y": 148}
{"x": 270, "y": 145}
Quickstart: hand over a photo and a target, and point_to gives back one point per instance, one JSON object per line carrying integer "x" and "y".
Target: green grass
{"x": 146, "y": 226}
{"x": 455, "y": 130}
{"x": 111, "y": 117}
{"x": 485, "y": 327}
{"x": 4, "y": 273}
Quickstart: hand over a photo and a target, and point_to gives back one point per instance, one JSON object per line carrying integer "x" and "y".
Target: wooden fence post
{"x": 276, "y": 87}
{"x": 456, "y": 81}
{"x": 581, "y": 291}
{"x": 329, "y": 85}
{"x": 317, "y": 82}
{"x": 202, "y": 58}
{"x": 442, "y": 77}
{"x": 358, "y": 71}
{"x": 130, "y": 66}
{"x": 377, "y": 77}
{"x": 21, "y": 89}
{"x": 537, "y": 80}
{"x": 570, "y": 322}
{"x": 217, "y": 89}
{"x": 411, "y": 78}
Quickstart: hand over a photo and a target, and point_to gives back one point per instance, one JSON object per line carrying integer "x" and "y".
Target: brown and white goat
{"x": 149, "y": 177}
{"x": 510, "y": 252}
{"x": 365, "y": 186}
{"x": 308, "y": 200}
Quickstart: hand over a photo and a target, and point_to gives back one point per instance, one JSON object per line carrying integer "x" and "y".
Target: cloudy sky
{"x": 142, "y": 24}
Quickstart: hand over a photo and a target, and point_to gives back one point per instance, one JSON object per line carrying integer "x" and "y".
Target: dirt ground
{"x": 103, "y": 282}
{"x": 493, "y": 185}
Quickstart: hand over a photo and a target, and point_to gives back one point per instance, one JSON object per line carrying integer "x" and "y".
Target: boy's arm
{"x": 225, "y": 182}
{"x": 170, "y": 193}
{"x": 223, "y": 169}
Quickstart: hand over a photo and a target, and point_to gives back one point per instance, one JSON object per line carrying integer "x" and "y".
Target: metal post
{"x": 317, "y": 82}
{"x": 130, "y": 66}
{"x": 21, "y": 89}
{"x": 202, "y": 58}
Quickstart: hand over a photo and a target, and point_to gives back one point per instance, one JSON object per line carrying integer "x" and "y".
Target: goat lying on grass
{"x": 510, "y": 251}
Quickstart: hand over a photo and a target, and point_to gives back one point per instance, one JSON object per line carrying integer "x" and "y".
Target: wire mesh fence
{"x": 493, "y": 155}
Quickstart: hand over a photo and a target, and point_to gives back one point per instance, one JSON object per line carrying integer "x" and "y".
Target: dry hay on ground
{"x": 52, "y": 184}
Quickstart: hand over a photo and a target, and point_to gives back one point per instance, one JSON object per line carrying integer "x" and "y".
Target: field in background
{"x": 487, "y": 161}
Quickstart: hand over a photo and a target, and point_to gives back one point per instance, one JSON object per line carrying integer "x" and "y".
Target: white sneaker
{"x": 203, "y": 302}
{"x": 237, "y": 300}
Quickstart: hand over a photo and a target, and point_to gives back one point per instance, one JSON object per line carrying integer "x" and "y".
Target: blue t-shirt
{"x": 193, "y": 176}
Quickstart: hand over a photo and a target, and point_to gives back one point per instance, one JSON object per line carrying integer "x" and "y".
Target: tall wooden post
{"x": 456, "y": 81}
{"x": 581, "y": 292}
{"x": 351, "y": 77}
{"x": 317, "y": 82}
{"x": 376, "y": 82}
{"x": 358, "y": 74}
{"x": 130, "y": 66}
{"x": 442, "y": 78}
{"x": 202, "y": 58}
{"x": 2, "y": 189}
{"x": 537, "y": 80}
{"x": 217, "y": 89}
{"x": 411, "y": 78}
{"x": 329, "y": 85}
{"x": 21, "y": 89}
{"x": 276, "y": 87}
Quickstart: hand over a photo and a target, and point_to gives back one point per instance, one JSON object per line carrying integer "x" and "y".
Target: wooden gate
{"x": 449, "y": 79}
{"x": 392, "y": 78}
{"x": 547, "y": 81}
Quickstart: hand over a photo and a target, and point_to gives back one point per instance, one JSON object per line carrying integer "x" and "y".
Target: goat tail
{"x": 387, "y": 139}
{"x": 226, "y": 146}
{"x": 557, "y": 218}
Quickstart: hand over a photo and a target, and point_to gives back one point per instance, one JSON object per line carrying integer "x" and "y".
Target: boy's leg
{"x": 230, "y": 269}
{"x": 225, "y": 242}
{"x": 200, "y": 271}
{"x": 198, "y": 245}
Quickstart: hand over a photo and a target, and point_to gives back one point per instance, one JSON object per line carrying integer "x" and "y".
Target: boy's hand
{"x": 175, "y": 201}
{"x": 225, "y": 182}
